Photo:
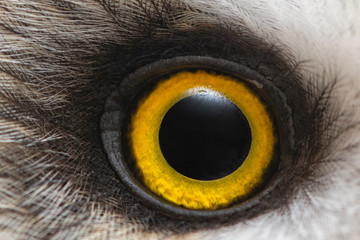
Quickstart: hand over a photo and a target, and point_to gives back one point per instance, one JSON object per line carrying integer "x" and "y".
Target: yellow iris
{"x": 155, "y": 172}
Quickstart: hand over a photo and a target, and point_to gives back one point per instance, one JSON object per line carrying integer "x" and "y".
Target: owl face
{"x": 97, "y": 132}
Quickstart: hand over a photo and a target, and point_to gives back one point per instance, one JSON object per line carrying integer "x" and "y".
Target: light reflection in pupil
{"x": 205, "y": 137}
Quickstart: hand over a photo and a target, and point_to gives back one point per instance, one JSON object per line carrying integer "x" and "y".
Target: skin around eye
{"x": 180, "y": 183}
{"x": 155, "y": 172}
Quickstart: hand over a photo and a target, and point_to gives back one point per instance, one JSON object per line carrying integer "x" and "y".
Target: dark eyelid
{"x": 129, "y": 88}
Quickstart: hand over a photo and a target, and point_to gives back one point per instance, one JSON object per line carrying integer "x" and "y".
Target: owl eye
{"x": 193, "y": 138}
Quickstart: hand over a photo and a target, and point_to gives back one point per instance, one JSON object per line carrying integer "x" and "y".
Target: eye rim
{"x": 112, "y": 121}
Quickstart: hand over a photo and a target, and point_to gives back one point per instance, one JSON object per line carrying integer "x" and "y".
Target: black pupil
{"x": 205, "y": 137}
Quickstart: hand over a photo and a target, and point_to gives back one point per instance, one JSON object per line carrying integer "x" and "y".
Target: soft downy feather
{"x": 57, "y": 66}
